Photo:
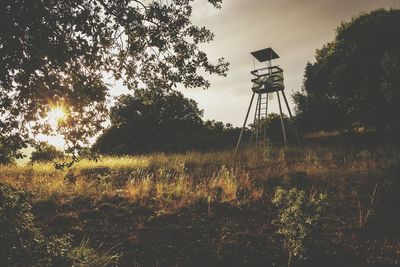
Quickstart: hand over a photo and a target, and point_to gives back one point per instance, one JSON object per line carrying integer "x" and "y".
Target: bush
{"x": 300, "y": 220}
{"x": 46, "y": 152}
{"x": 20, "y": 239}
{"x": 22, "y": 244}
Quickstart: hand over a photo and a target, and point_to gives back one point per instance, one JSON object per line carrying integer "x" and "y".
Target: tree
{"x": 354, "y": 81}
{"x": 150, "y": 121}
{"x": 391, "y": 87}
{"x": 217, "y": 135}
{"x": 6, "y": 155}
{"x": 273, "y": 128}
{"x": 56, "y": 52}
{"x": 46, "y": 152}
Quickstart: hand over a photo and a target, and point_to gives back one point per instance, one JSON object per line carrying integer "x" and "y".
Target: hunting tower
{"x": 267, "y": 81}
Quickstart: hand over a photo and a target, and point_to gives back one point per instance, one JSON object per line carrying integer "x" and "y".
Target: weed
{"x": 299, "y": 220}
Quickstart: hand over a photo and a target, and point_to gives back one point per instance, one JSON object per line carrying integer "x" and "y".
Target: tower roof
{"x": 265, "y": 54}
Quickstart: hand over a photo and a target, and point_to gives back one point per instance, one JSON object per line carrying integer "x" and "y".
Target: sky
{"x": 293, "y": 28}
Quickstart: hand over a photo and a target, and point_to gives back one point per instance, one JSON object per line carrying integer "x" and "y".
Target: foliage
{"x": 390, "y": 86}
{"x": 6, "y": 156}
{"x": 151, "y": 121}
{"x": 300, "y": 219}
{"x": 274, "y": 128}
{"x": 354, "y": 81}
{"x": 217, "y": 135}
{"x": 46, "y": 152}
{"x": 20, "y": 239}
{"x": 55, "y": 53}
{"x": 22, "y": 244}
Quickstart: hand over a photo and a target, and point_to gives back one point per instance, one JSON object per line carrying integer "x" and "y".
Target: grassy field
{"x": 221, "y": 209}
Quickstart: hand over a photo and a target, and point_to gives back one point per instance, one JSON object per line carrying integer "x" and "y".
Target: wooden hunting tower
{"x": 267, "y": 81}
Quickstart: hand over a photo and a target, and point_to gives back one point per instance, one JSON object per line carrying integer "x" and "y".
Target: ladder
{"x": 259, "y": 129}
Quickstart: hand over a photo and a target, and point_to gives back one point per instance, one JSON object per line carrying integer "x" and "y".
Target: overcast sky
{"x": 293, "y": 28}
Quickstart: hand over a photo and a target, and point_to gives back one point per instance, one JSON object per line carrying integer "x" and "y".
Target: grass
{"x": 209, "y": 187}
{"x": 176, "y": 180}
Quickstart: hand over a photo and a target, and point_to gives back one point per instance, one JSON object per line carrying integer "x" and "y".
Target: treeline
{"x": 154, "y": 121}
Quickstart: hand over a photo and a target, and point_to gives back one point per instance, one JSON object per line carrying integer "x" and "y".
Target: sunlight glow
{"x": 55, "y": 140}
{"x": 55, "y": 116}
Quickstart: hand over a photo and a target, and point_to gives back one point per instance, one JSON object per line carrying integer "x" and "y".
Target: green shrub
{"x": 22, "y": 244}
{"x": 300, "y": 220}
{"x": 20, "y": 240}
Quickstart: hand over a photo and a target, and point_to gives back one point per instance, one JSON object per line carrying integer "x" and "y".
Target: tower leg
{"x": 258, "y": 118}
{"x": 282, "y": 124}
{"x": 265, "y": 122}
{"x": 254, "y": 121}
{"x": 291, "y": 117}
{"x": 244, "y": 124}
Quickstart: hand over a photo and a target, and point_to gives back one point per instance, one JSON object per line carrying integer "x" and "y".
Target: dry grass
{"x": 177, "y": 180}
{"x": 223, "y": 196}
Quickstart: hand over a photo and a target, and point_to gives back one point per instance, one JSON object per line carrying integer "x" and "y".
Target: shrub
{"x": 20, "y": 239}
{"x": 46, "y": 152}
{"x": 22, "y": 244}
{"x": 299, "y": 220}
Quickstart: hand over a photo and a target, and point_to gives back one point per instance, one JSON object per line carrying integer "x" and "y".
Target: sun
{"x": 55, "y": 116}
{"x": 56, "y": 113}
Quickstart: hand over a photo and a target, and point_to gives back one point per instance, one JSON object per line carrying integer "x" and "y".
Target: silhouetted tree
{"x": 391, "y": 88}
{"x": 151, "y": 121}
{"x": 355, "y": 79}
{"x": 56, "y": 52}
{"x": 217, "y": 135}
{"x": 273, "y": 129}
{"x": 46, "y": 152}
{"x": 6, "y": 156}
